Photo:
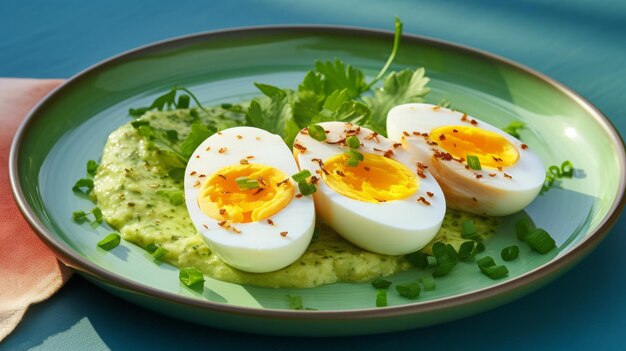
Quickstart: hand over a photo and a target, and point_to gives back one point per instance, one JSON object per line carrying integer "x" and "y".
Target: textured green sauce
{"x": 126, "y": 186}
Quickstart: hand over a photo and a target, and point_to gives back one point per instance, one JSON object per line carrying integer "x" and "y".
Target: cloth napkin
{"x": 29, "y": 271}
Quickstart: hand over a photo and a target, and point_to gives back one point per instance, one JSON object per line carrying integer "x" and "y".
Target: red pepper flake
{"x": 222, "y": 150}
{"x": 283, "y": 234}
{"x": 454, "y": 131}
{"x": 304, "y": 131}
{"x": 299, "y": 147}
{"x": 379, "y": 150}
{"x": 444, "y": 156}
{"x": 442, "y": 137}
{"x": 507, "y": 176}
{"x": 423, "y": 200}
{"x": 474, "y": 199}
{"x": 224, "y": 224}
{"x": 261, "y": 181}
{"x": 239, "y": 137}
{"x": 366, "y": 168}
{"x": 497, "y": 159}
{"x": 196, "y": 184}
{"x": 340, "y": 173}
{"x": 417, "y": 133}
{"x": 321, "y": 165}
{"x": 258, "y": 138}
{"x": 219, "y": 133}
{"x": 208, "y": 148}
{"x": 192, "y": 173}
{"x": 466, "y": 167}
{"x": 298, "y": 196}
{"x": 222, "y": 211}
{"x": 352, "y": 132}
{"x": 205, "y": 226}
{"x": 430, "y": 194}
{"x": 499, "y": 168}
{"x": 235, "y": 230}
{"x": 284, "y": 181}
{"x": 314, "y": 180}
{"x": 524, "y": 146}
{"x": 270, "y": 222}
{"x": 464, "y": 117}
{"x": 250, "y": 157}
{"x": 373, "y": 136}
{"x": 431, "y": 143}
{"x": 474, "y": 122}
{"x": 258, "y": 191}
{"x": 492, "y": 174}
{"x": 406, "y": 133}
{"x": 388, "y": 153}
{"x": 244, "y": 161}
{"x": 478, "y": 176}
{"x": 396, "y": 145}
{"x": 222, "y": 176}
{"x": 435, "y": 108}
{"x": 202, "y": 176}
{"x": 197, "y": 156}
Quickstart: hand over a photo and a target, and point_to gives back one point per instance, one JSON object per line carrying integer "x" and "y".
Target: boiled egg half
{"x": 241, "y": 198}
{"x": 384, "y": 200}
{"x": 509, "y": 175}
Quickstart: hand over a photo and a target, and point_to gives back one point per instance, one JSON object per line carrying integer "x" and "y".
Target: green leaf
{"x": 199, "y": 132}
{"x": 83, "y": 183}
{"x": 398, "y": 88}
{"x": 176, "y": 197}
{"x": 92, "y": 167}
{"x": 273, "y": 113}
{"x": 339, "y": 76}
{"x": 310, "y": 99}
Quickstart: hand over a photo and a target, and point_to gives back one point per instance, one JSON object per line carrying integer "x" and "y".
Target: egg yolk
{"x": 375, "y": 179}
{"x": 221, "y": 198}
{"x": 492, "y": 149}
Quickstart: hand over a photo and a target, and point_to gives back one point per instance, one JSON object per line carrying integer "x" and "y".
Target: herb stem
{"x": 396, "y": 43}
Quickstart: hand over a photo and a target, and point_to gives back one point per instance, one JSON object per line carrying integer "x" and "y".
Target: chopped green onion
{"x": 353, "y": 162}
{"x": 86, "y": 183}
{"x": 190, "y": 276}
{"x": 316, "y": 132}
{"x": 97, "y": 214}
{"x": 466, "y": 250}
{"x": 145, "y": 131}
{"x": 444, "y": 103}
{"x": 418, "y": 259}
{"x": 302, "y": 175}
{"x": 110, "y": 242}
{"x": 92, "y": 167}
{"x": 295, "y": 302}
{"x": 246, "y": 184}
{"x": 540, "y": 241}
{"x": 555, "y": 170}
{"x": 136, "y": 112}
{"x": 381, "y": 297}
{"x": 79, "y": 216}
{"x": 547, "y": 183}
{"x": 159, "y": 252}
{"x": 496, "y": 272}
{"x": 480, "y": 247}
{"x": 139, "y": 123}
{"x": 432, "y": 261}
{"x": 485, "y": 262}
{"x": 446, "y": 257}
{"x": 513, "y": 127}
{"x": 183, "y": 101}
{"x": 468, "y": 229}
{"x": 428, "y": 283}
{"x": 409, "y": 290}
{"x": 306, "y": 189}
{"x": 473, "y": 162}
{"x": 567, "y": 169}
{"x": 510, "y": 253}
{"x": 523, "y": 227}
{"x": 355, "y": 155}
{"x": 353, "y": 142}
{"x": 380, "y": 283}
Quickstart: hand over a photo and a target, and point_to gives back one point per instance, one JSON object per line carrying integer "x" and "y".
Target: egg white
{"x": 475, "y": 191}
{"x": 259, "y": 247}
{"x": 395, "y": 227}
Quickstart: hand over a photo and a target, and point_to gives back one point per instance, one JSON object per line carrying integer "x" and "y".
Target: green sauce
{"x": 127, "y": 188}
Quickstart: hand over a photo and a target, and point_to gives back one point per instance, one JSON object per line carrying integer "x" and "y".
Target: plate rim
{"x": 543, "y": 273}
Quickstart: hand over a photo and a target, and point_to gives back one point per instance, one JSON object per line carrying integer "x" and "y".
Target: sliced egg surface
{"x": 510, "y": 174}
{"x": 388, "y": 203}
{"x": 241, "y": 198}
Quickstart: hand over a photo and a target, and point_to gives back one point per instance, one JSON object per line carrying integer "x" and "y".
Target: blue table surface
{"x": 580, "y": 43}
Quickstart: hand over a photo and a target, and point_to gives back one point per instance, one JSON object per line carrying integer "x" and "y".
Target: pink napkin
{"x": 29, "y": 271}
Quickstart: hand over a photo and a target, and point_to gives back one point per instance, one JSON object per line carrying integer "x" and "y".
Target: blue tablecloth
{"x": 580, "y": 43}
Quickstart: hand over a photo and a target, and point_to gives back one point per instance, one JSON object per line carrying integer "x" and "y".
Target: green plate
{"x": 71, "y": 126}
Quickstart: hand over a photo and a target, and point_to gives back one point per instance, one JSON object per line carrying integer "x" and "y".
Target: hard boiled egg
{"x": 510, "y": 177}
{"x": 386, "y": 203}
{"x": 241, "y": 198}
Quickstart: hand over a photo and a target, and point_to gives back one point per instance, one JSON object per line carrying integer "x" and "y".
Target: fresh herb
{"x": 410, "y": 290}
{"x": 513, "y": 127}
{"x": 82, "y": 217}
{"x": 83, "y": 186}
{"x": 428, "y": 283}
{"x": 306, "y": 189}
{"x": 199, "y": 132}
{"x": 175, "y": 196}
{"x": 110, "y": 242}
{"x": 190, "y": 276}
{"x": 273, "y": 113}
{"x": 92, "y": 167}
{"x": 167, "y": 101}
{"x": 380, "y": 283}
{"x": 302, "y": 175}
{"x": 355, "y": 158}
{"x": 473, "y": 162}
{"x": 381, "y": 297}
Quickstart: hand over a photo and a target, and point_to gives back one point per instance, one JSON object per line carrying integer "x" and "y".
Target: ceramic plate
{"x": 71, "y": 126}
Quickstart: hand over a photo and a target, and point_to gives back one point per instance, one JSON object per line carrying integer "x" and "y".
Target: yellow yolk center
{"x": 221, "y": 198}
{"x": 375, "y": 179}
{"x": 492, "y": 149}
